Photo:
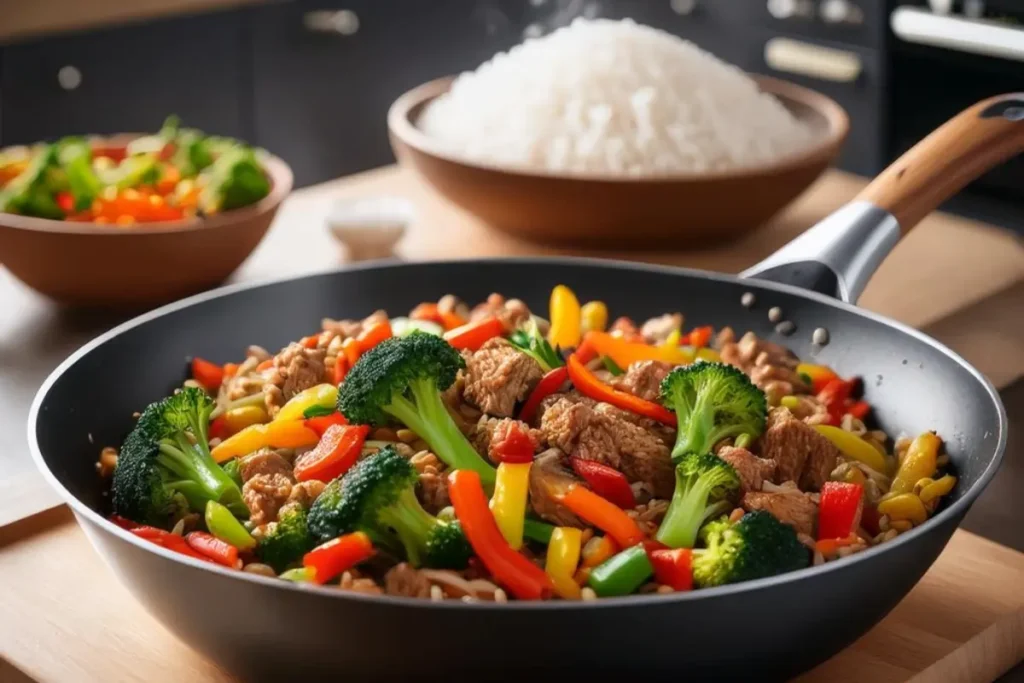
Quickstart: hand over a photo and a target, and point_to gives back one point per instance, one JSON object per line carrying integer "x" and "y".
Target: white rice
{"x": 612, "y": 97}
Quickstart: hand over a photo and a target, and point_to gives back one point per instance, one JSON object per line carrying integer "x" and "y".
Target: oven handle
{"x": 976, "y": 36}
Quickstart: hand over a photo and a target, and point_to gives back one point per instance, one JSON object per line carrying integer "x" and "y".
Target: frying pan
{"x": 266, "y": 629}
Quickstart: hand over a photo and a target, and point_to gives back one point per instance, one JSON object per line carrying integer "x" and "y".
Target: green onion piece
{"x": 318, "y": 411}
{"x": 806, "y": 378}
{"x": 621, "y": 574}
{"x": 611, "y": 366}
{"x": 538, "y": 531}
{"x": 298, "y": 575}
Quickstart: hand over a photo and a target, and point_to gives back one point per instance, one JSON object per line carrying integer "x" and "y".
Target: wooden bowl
{"x": 589, "y": 210}
{"x": 149, "y": 263}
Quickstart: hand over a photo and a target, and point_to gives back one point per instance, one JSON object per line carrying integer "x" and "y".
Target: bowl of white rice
{"x": 612, "y": 132}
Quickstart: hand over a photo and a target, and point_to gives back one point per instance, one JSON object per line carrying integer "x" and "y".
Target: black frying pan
{"x": 264, "y": 629}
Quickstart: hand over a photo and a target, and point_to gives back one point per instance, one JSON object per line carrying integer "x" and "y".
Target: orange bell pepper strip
{"x": 278, "y": 434}
{"x": 472, "y": 336}
{"x": 341, "y": 368}
{"x": 373, "y": 335}
{"x": 310, "y": 342}
{"x": 209, "y": 375}
{"x": 449, "y": 320}
{"x": 698, "y": 337}
{"x": 214, "y": 548}
{"x": 625, "y": 352}
{"x": 589, "y": 385}
{"x": 332, "y": 558}
{"x": 337, "y": 451}
{"x": 350, "y": 349}
{"x": 603, "y": 514}
{"x": 522, "y": 578}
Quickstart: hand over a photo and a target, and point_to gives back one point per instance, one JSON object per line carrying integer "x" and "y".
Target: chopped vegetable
{"x": 704, "y": 485}
{"x": 589, "y": 385}
{"x": 214, "y": 548}
{"x": 606, "y": 482}
{"x": 673, "y": 567}
{"x": 513, "y": 445}
{"x": 332, "y": 558}
{"x": 284, "y": 542}
{"x": 919, "y": 462}
{"x": 298, "y": 575}
{"x": 549, "y": 384}
{"x": 622, "y": 574}
{"x": 321, "y": 423}
{"x": 276, "y": 434}
{"x": 31, "y": 193}
{"x": 508, "y": 504}
{"x": 698, "y": 337}
{"x": 818, "y": 375}
{"x": 513, "y": 571}
{"x": 320, "y": 396}
{"x": 405, "y": 326}
{"x": 625, "y": 352}
{"x": 431, "y": 312}
{"x": 937, "y": 489}
{"x": 837, "y": 511}
{"x": 237, "y": 419}
{"x": 537, "y": 531}
{"x": 165, "y": 467}
{"x": 597, "y": 550}
{"x": 603, "y": 514}
{"x": 75, "y": 159}
{"x": 562, "y": 558}
{"x": 378, "y": 497}
{"x": 209, "y": 375}
{"x": 472, "y": 336}
{"x": 403, "y": 378}
{"x": 530, "y": 341}
{"x": 594, "y": 316}
{"x": 166, "y": 539}
{"x": 337, "y": 451}
{"x": 565, "y": 318}
{"x": 234, "y": 180}
{"x": 904, "y": 506}
{"x": 756, "y": 546}
{"x": 836, "y": 396}
{"x": 712, "y": 401}
{"x": 829, "y": 546}
{"x": 611, "y": 366}
{"x": 222, "y": 524}
{"x": 854, "y": 447}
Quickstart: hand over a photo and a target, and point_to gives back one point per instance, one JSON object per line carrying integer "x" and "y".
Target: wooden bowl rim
{"x": 837, "y": 127}
{"x": 281, "y": 180}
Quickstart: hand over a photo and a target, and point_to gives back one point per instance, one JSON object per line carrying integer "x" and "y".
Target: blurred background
{"x": 311, "y": 80}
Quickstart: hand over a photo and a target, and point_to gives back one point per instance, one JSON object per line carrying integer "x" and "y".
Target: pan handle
{"x": 840, "y": 254}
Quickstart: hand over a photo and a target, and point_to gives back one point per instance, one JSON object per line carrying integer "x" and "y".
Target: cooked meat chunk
{"x": 405, "y": 581}
{"x": 491, "y": 431}
{"x": 352, "y": 328}
{"x": 597, "y": 432}
{"x": 498, "y": 376}
{"x": 550, "y": 477}
{"x": 295, "y": 369}
{"x": 267, "y": 485}
{"x": 790, "y": 507}
{"x": 770, "y": 366}
{"x": 263, "y": 461}
{"x": 801, "y": 454}
{"x": 753, "y": 471}
{"x": 657, "y": 330}
{"x": 304, "y": 493}
{"x": 511, "y": 312}
{"x": 643, "y": 379}
{"x": 433, "y": 491}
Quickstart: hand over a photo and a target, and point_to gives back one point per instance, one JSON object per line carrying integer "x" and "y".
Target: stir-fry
{"x": 488, "y": 454}
{"x": 177, "y": 174}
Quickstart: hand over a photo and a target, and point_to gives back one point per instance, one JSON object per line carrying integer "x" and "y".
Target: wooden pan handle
{"x": 962, "y": 149}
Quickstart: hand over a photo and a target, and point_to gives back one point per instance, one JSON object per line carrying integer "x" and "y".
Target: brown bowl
{"x": 678, "y": 209}
{"x": 100, "y": 265}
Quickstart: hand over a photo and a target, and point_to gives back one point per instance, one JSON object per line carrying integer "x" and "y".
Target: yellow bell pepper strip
{"x": 603, "y": 514}
{"x": 854, "y": 447}
{"x": 594, "y": 316}
{"x": 508, "y": 504}
{"x": 597, "y": 550}
{"x": 904, "y": 506}
{"x": 563, "y": 556}
{"x": 565, "y": 318}
{"x": 237, "y": 419}
{"x": 705, "y": 353}
{"x": 224, "y": 526}
{"x": 323, "y": 395}
{"x": 937, "y": 488}
{"x": 276, "y": 434}
{"x": 625, "y": 352}
{"x": 819, "y": 375}
{"x": 919, "y": 462}
{"x": 590, "y": 386}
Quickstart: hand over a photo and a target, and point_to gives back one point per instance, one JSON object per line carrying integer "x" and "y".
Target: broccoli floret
{"x": 235, "y": 179}
{"x": 378, "y": 497}
{"x": 285, "y": 541}
{"x": 233, "y": 468}
{"x": 712, "y": 401}
{"x": 75, "y": 158}
{"x": 530, "y": 341}
{"x": 403, "y": 378}
{"x": 704, "y": 484}
{"x": 755, "y": 547}
{"x": 31, "y": 193}
{"x": 165, "y": 466}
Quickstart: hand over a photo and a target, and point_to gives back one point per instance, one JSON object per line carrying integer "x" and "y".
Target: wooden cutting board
{"x": 963, "y": 623}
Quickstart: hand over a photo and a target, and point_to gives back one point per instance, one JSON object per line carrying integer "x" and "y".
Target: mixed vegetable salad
{"x": 489, "y": 454}
{"x": 176, "y": 174}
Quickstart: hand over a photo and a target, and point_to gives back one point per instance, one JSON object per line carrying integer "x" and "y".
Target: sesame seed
{"x": 775, "y": 314}
{"x": 820, "y": 336}
{"x": 748, "y": 299}
{"x": 786, "y": 327}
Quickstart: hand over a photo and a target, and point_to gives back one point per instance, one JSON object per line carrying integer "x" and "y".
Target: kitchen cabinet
{"x": 128, "y": 79}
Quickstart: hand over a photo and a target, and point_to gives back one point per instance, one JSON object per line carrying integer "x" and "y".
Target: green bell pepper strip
{"x": 224, "y": 526}
{"x": 621, "y": 574}
{"x": 538, "y": 531}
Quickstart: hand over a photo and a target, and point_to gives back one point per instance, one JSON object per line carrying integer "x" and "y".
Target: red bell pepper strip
{"x": 837, "y": 511}
{"x": 698, "y": 337}
{"x": 123, "y": 522}
{"x": 589, "y": 385}
{"x": 337, "y": 451}
{"x": 673, "y": 567}
{"x": 66, "y": 202}
{"x": 512, "y": 444}
{"x": 209, "y": 375}
{"x": 322, "y": 423}
{"x": 332, "y": 558}
{"x": 835, "y": 396}
{"x": 212, "y": 547}
{"x": 603, "y": 514}
{"x": 165, "y": 539}
{"x": 218, "y": 428}
{"x": 522, "y": 578}
{"x": 449, "y": 320}
{"x": 606, "y": 482}
{"x": 473, "y": 335}
{"x": 549, "y": 384}
{"x": 340, "y": 369}
{"x": 373, "y": 334}
{"x": 351, "y": 351}
{"x": 859, "y": 409}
